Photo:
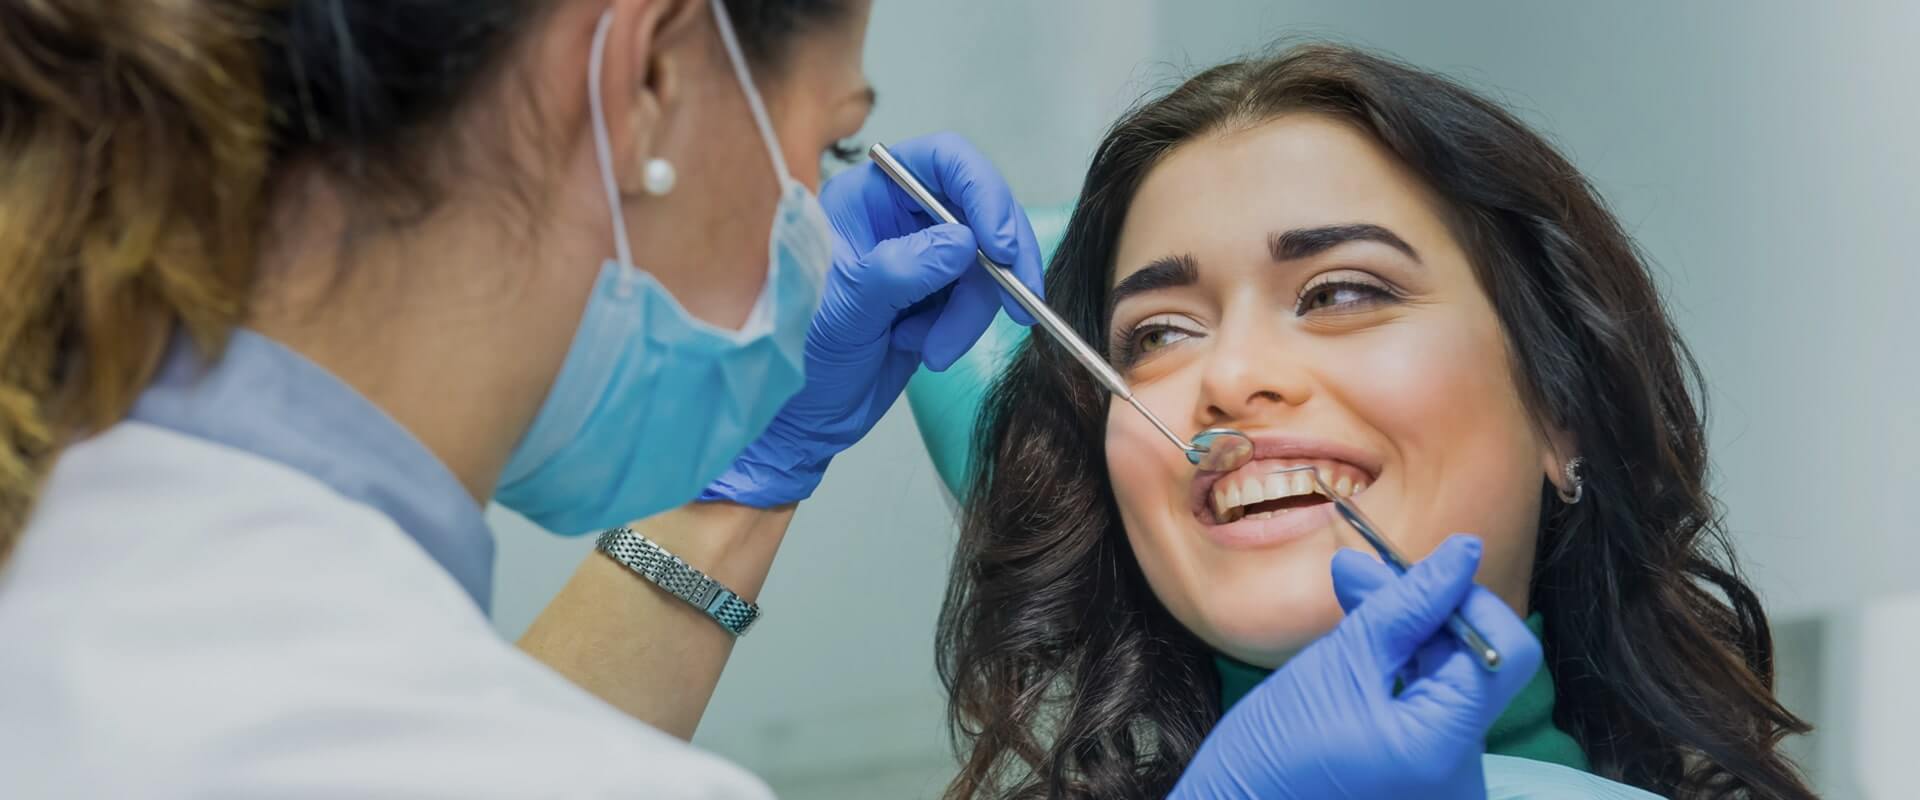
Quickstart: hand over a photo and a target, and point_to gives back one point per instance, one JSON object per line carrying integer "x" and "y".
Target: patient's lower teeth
{"x": 1261, "y": 515}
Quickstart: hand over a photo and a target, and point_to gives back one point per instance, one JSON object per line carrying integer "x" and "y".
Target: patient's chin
{"x": 1265, "y": 619}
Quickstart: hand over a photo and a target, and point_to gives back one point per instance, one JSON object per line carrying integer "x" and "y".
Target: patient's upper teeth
{"x": 1275, "y": 486}
{"x": 1233, "y": 494}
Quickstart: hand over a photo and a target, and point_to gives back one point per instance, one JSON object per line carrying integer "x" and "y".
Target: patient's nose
{"x": 1248, "y": 373}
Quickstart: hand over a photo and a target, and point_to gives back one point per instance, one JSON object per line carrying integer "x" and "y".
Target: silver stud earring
{"x": 1576, "y": 477}
{"x": 659, "y": 177}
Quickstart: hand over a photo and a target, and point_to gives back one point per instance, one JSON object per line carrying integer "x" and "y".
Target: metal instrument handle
{"x": 1037, "y": 308}
{"x": 1483, "y": 651}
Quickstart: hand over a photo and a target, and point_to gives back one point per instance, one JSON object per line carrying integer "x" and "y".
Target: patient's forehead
{"x": 1218, "y": 196}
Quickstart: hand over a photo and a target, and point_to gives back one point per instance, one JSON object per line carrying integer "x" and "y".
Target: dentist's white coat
{"x": 185, "y": 619}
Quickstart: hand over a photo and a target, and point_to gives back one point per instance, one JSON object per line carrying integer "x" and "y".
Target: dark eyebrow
{"x": 1165, "y": 272}
{"x": 1304, "y": 242}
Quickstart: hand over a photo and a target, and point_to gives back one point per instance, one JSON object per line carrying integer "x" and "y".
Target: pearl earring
{"x": 659, "y": 177}
{"x": 1577, "y": 477}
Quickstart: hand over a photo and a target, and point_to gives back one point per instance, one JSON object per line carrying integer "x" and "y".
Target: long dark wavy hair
{"x": 1067, "y": 677}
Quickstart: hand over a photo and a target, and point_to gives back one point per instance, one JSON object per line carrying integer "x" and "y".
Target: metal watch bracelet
{"x": 678, "y": 578}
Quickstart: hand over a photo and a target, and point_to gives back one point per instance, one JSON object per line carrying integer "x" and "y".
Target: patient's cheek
{"x": 1131, "y": 466}
{"x": 1143, "y": 482}
{"x": 1466, "y": 451}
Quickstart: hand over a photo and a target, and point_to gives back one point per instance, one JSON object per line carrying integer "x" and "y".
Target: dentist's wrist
{"x": 732, "y": 543}
{"x": 637, "y": 645}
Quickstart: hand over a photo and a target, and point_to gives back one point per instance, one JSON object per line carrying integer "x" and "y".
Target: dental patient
{"x": 1376, "y": 272}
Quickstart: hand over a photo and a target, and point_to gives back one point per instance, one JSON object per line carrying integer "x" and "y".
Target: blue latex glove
{"x": 1328, "y": 724}
{"x": 902, "y": 292}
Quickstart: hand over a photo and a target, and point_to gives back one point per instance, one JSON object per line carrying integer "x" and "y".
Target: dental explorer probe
{"x": 1212, "y": 450}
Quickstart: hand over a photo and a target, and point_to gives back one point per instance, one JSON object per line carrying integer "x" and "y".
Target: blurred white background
{"x": 1760, "y": 151}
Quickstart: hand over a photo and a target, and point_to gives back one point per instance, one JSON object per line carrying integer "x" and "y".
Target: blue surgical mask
{"x": 652, "y": 403}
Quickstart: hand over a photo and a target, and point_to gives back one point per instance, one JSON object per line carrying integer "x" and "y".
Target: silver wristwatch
{"x": 680, "y": 579}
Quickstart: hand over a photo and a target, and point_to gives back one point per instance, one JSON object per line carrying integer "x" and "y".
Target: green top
{"x": 1524, "y": 730}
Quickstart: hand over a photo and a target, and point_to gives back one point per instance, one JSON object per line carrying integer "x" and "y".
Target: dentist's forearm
{"x": 641, "y": 649}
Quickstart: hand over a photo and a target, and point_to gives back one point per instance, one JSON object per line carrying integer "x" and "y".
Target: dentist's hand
{"x": 1329, "y": 725}
{"x": 902, "y": 292}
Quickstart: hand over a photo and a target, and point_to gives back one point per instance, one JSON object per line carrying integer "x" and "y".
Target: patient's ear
{"x": 1557, "y": 448}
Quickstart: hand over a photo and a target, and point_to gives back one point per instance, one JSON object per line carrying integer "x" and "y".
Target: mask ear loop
{"x": 759, "y": 109}
{"x": 603, "y": 150}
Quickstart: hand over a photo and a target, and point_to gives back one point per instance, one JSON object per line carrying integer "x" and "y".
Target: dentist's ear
{"x": 641, "y": 75}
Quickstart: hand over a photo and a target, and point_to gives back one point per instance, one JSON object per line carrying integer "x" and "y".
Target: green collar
{"x": 1524, "y": 730}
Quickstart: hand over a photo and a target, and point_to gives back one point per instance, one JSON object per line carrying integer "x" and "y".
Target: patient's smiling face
{"x": 1292, "y": 280}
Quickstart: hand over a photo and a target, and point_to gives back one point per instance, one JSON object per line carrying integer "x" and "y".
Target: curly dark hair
{"x": 1068, "y": 679}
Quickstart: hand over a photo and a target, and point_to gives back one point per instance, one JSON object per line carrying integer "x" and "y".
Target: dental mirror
{"x": 1470, "y": 636}
{"x": 1220, "y": 450}
{"x": 1213, "y": 450}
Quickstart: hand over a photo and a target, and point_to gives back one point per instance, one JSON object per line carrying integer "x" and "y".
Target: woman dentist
{"x": 289, "y": 290}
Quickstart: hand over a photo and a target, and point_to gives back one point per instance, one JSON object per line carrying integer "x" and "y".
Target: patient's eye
{"x": 1159, "y": 336}
{"x": 1343, "y": 291}
{"x": 1151, "y": 336}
